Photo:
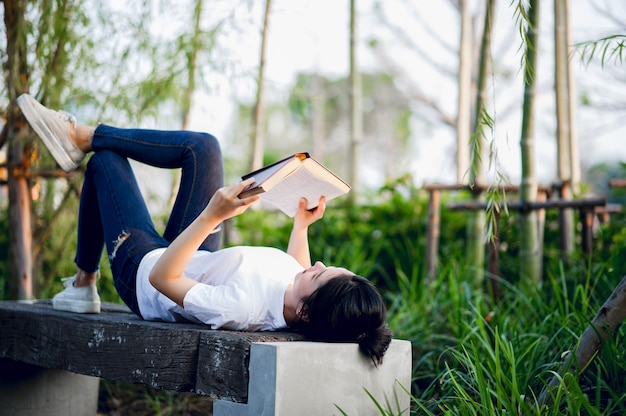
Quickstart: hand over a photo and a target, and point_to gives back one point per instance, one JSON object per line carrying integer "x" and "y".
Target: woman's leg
{"x": 113, "y": 213}
{"x": 90, "y": 238}
{"x": 112, "y": 209}
{"x": 197, "y": 154}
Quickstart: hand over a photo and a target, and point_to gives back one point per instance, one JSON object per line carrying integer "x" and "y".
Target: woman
{"x": 182, "y": 275}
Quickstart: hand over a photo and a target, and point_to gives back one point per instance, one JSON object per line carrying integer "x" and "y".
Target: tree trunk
{"x": 563, "y": 123}
{"x": 192, "y": 64}
{"x": 259, "y": 119}
{"x": 476, "y": 220}
{"x": 571, "y": 87}
{"x": 18, "y": 156}
{"x": 530, "y": 265}
{"x": 463, "y": 124}
{"x": 318, "y": 119}
{"x": 356, "y": 105}
{"x": 187, "y": 99}
{"x": 602, "y": 327}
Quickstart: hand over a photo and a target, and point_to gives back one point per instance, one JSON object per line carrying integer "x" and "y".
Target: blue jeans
{"x": 113, "y": 212}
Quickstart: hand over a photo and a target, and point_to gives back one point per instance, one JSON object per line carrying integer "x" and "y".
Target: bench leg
{"x": 291, "y": 378}
{"x": 27, "y": 390}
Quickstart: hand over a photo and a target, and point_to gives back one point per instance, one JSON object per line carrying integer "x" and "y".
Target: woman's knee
{"x": 208, "y": 146}
{"x": 106, "y": 163}
{"x": 105, "y": 159}
{"x": 105, "y": 156}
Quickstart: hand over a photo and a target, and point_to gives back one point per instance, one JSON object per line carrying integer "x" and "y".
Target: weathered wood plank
{"x": 114, "y": 344}
{"x": 223, "y": 362}
{"x": 117, "y": 345}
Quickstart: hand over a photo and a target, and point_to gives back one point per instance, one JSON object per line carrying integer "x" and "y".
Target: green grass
{"x": 477, "y": 356}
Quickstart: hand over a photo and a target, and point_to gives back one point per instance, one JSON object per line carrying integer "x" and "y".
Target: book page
{"x": 301, "y": 183}
{"x": 268, "y": 176}
{"x": 319, "y": 170}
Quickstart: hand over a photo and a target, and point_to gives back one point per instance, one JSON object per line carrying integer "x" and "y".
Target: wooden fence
{"x": 587, "y": 208}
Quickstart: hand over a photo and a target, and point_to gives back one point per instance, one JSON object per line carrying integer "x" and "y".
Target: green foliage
{"x": 473, "y": 356}
{"x": 474, "y": 353}
{"x": 610, "y": 245}
{"x": 609, "y": 48}
{"x": 597, "y": 179}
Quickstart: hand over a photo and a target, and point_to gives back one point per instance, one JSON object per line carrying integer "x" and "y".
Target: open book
{"x": 283, "y": 183}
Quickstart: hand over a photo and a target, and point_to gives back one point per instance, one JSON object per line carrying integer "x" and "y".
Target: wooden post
{"x": 493, "y": 258}
{"x": 432, "y": 232}
{"x": 21, "y": 216}
{"x": 541, "y": 225}
{"x": 566, "y": 244}
{"x": 586, "y": 219}
{"x": 19, "y": 154}
{"x": 617, "y": 183}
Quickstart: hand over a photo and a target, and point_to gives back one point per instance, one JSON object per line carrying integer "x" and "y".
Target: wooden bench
{"x": 247, "y": 372}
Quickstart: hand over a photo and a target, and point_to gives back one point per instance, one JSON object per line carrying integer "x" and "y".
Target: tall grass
{"x": 478, "y": 356}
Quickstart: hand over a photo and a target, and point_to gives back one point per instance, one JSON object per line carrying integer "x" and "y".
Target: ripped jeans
{"x": 113, "y": 212}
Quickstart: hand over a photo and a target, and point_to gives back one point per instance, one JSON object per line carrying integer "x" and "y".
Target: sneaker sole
{"x": 77, "y": 306}
{"x": 52, "y": 143}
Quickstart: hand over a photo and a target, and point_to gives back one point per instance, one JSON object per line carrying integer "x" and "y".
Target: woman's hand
{"x": 298, "y": 246}
{"x": 304, "y": 217}
{"x": 226, "y": 204}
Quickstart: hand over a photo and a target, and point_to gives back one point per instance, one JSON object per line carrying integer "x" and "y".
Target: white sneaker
{"x": 83, "y": 299}
{"x": 53, "y": 128}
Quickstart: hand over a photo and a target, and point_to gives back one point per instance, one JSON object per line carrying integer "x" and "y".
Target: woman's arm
{"x": 298, "y": 246}
{"x": 167, "y": 274}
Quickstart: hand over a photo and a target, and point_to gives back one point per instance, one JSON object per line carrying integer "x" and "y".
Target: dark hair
{"x": 348, "y": 308}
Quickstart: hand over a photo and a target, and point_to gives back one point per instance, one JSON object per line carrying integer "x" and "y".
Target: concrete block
{"x": 313, "y": 378}
{"x": 27, "y": 390}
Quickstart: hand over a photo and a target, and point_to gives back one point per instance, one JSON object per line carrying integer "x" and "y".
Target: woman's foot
{"x": 77, "y": 298}
{"x": 55, "y": 129}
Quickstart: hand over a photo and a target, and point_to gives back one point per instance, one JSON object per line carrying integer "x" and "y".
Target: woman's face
{"x": 308, "y": 280}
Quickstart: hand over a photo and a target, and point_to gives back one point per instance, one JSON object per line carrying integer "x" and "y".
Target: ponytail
{"x": 375, "y": 343}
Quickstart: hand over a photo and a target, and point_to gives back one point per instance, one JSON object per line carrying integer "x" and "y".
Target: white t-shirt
{"x": 242, "y": 288}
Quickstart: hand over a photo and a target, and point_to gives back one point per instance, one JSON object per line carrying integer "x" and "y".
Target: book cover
{"x": 284, "y": 182}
